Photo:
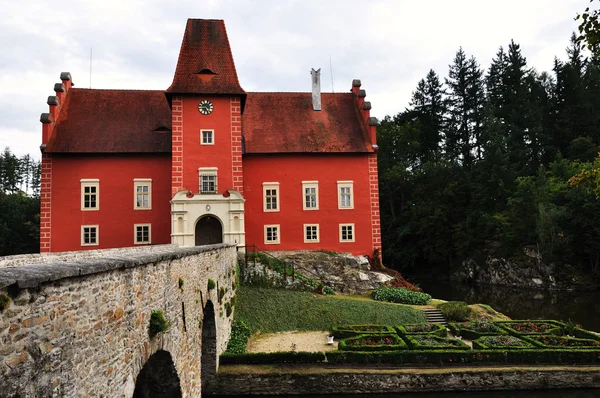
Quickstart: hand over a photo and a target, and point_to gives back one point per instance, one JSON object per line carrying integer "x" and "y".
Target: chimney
{"x": 316, "y": 89}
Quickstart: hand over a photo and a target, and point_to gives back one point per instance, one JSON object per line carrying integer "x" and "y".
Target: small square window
{"x": 272, "y": 234}
{"x": 345, "y": 194}
{"x": 142, "y": 195}
{"x": 89, "y": 235}
{"x": 270, "y": 196}
{"x": 207, "y": 137}
{"x": 142, "y": 234}
{"x": 310, "y": 195}
{"x": 208, "y": 180}
{"x": 90, "y": 194}
{"x": 346, "y": 232}
{"x": 311, "y": 233}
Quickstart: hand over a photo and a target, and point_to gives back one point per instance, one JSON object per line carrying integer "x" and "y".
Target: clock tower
{"x": 207, "y": 102}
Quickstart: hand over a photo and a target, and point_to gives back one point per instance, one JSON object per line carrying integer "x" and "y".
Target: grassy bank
{"x": 271, "y": 310}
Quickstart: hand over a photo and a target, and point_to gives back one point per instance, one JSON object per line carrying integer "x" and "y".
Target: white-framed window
{"x": 310, "y": 195}
{"x": 345, "y": 194}
{"x": 142, "y": 234}
{"x": 90, "y": 194}
{"x": 207, "y": 137}
{"x": 311, "y": 233}
{"x": 270, "y": 196}
{"x": 346, "y": 232}
{"x": 208, "y": 179}
{"x": 89, "y": 235}
{"x": 272, "y": 235}
{"x": 142, "y": 193}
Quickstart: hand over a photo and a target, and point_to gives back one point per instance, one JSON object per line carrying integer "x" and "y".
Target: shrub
{"x": 240, "y": 333}
{"x": 501, "y": 342}
{"x": 550, "y": 341}
{"x": 431, "y": 342}
{"x": 211, "y": 284}
{"x": 400, "y": 295}
{"x": 158, "y": 323}
{"x": 373, "y": 342}
{"x": 181, "y": 283}
{"x": 422, "y": 328}
{"x": 584, "y": 334}
{"x": 272, "y": 357}
{"x": 475, "y": 329}
{"x": 457, "y": 311}
{"x": 521, "y": 328}
{"x": 341, "y": 332}
{"x": 4, "y": 301}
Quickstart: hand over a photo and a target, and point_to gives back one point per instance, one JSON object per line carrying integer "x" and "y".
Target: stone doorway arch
{"x": 208, "y": 362}
{"x": 208, "y": 231}
{"x": 158, "y": 378}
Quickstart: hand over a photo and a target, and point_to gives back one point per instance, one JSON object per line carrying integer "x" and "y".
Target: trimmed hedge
{"x": 451, "y": 344}
{"x": 579, "y": 344}
{"x": 345, "y": 331}
{"x": 470, "y": 334}
{"x": 437, "y": 329}
{"x": 437, "y": 357}
{"x": 585, "y": 334}
{"x": 556, "y": 329}
{"x": 401, "y": 295}
{"x": 261, "y": 358}
{"x": 528, "y": 345}
{"x": 397, "y": 343}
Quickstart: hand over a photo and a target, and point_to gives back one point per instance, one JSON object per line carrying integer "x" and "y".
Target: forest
{"x": 490, "y": 162}
{"x": 19, "y": 204}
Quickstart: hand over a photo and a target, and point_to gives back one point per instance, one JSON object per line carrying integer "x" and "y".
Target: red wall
{"x": 290, "y": 170}
{"x": 116, "y": 216}
{"x": 218, "y": 155}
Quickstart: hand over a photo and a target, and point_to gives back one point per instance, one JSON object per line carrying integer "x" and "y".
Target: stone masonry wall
{"x": 80, "y": 327}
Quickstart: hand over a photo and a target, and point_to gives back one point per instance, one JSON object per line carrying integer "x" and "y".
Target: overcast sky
{"x": 389, "y": 44}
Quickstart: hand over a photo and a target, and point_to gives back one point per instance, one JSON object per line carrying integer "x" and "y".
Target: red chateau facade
{"x": 206, "y": 162}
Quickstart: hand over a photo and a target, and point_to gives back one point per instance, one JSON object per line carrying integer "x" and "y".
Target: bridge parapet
{"x": 80, "y": 326}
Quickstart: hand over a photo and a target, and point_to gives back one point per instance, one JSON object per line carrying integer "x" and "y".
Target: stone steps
{"x": 434, "y": 316}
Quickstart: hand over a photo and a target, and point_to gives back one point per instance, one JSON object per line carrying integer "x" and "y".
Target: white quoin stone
{"x": 316, "y": 89}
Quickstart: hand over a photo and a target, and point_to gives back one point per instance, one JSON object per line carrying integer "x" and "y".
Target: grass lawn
{"x": 274, "y": 310}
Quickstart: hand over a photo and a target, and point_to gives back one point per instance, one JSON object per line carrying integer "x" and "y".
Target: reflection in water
{"x": 522, "y": 303}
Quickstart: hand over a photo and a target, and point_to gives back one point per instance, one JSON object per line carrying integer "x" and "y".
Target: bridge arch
{"x": 208, "y": 364}
{"x": 158, "y": 378}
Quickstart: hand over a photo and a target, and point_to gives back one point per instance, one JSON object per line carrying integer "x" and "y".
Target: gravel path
{"x": 290, "y": 341}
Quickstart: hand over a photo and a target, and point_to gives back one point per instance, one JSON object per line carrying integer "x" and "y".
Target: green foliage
{"x": 228, "y": 309}
{"x": 240, "y": 333}
{"x": 340, "y": 332}
{"x": 373, "y": 342}
{"x": 401, "y": 295}
{"x": 422, "y": 328}
{"x": 456, "y": 311}
{"x": 551, "y": 341}
{"x": 523, "y": 328}
{"x": 431, "y": 342}
{"x": 4, "y": 301}
{"x": 589, "y": 29}
{"x": 502, "y": 343}
{"x": 475, "y": 329}
{"x": 265, "y": 358}
{"x": 211, "y": 284}
{"x": 180, "y": 283}
{"x": 158, "y": 323}
{"x": 272, "y": 310}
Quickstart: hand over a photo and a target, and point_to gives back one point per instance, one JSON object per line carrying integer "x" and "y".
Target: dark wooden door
{"x": 208, "y": 231}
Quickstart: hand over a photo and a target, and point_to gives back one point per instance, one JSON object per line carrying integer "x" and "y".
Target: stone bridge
{"x": 77, "y": 324}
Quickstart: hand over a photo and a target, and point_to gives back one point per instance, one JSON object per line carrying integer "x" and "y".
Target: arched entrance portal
{"x": 209, "y": 231}
{"x": 158, "y": 378}
{"x": 208, "y": 366}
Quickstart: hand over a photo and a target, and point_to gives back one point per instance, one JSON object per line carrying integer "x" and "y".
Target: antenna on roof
{"x": 90, "y": 67}
{"x": 331, "y": 72}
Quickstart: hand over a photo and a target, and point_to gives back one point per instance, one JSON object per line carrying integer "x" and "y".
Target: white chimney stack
{"x": 316, "y": 89}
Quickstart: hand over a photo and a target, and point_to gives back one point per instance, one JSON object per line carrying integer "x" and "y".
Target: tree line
{"x": 486, "y": 162}
{"x": 19, "y": 204}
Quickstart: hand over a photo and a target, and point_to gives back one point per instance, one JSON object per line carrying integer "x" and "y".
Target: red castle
{"x": 206, "y": 162}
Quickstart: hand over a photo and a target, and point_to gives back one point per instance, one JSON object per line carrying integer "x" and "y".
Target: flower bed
{"x": 502, "y": 343}
{"x": 551, "y": 341}
{"x": 431, "y": 342}
{"x": 373, "y": 342}
{"x": 521, "y": 328}
{"x": 422, "y": 328}
{"x": 341, "y": 332}
{"x": 475, "y": 329}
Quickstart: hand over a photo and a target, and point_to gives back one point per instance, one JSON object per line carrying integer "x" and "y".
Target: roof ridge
{"x": 115, "y": 89}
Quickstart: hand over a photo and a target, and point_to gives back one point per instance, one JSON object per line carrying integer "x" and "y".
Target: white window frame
{"x": 273, "y": 242}
{"x": 343, "y": 185}
{"x": 212, "y": 137}
{"x": 142, "y": 182}
{"x": 90, "y": 182}
{"x": 271, "y": 186}
{"x": 353, "y": 233}
{"x": 208, "y": 172}
{"x": 97, "y": 227}
{"x": 135, "y": 236}
{"x": 318, "y": 237}
{"x": 310, "y": 184}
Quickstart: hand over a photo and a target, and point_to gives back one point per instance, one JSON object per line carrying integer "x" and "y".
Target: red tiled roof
{"x": 286, "y": 122}
{"x": 205, "y": 64}
{"x": 104, "y": 121}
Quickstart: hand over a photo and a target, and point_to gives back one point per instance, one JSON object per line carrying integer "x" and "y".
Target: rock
{"x": 363, "y": 277}
{"x": 537, "y": 281}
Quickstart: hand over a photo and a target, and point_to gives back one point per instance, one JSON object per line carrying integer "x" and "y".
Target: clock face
{"x": 205, "y": 107}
